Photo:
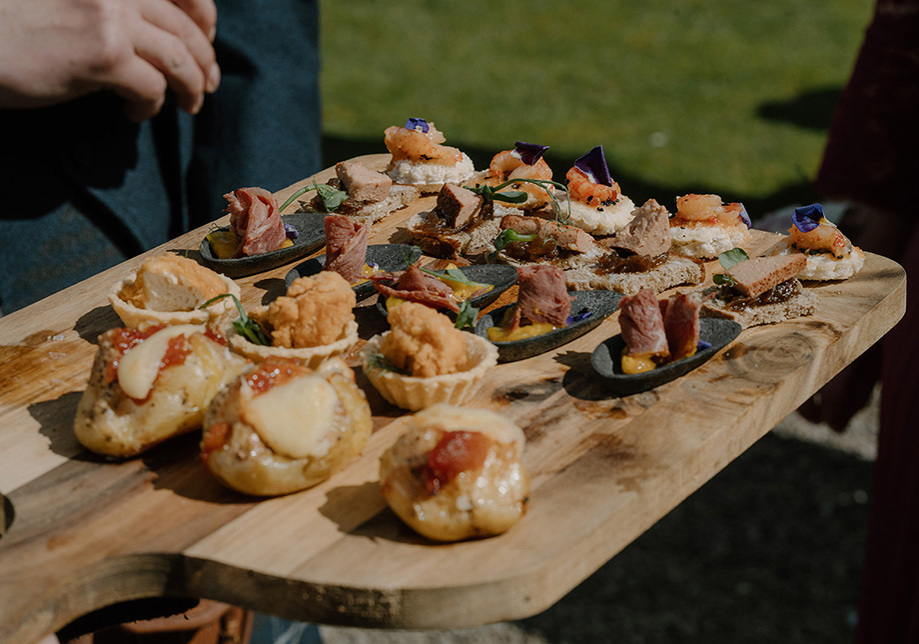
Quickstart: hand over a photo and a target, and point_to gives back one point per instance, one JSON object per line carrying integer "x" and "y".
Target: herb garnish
{"x": 455, "y": 275}
{"x": 493, "y": 193}
{"x": 331, "y": 197}
{"x": 379, "y": 361}
{"x": 508, "y": 236}
{"x": 728, "y": 259}
{"x": 244, "y": 325}
{"x": 467, "y": 315}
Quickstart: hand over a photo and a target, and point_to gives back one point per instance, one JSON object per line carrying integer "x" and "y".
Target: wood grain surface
{"x": 78, "y": 532}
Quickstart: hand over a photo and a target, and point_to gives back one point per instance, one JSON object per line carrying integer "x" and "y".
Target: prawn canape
{"x": 830, "y": 254}
{"x": 705, "y": 227}
{"x": 423, "y": 359}
{"x": 523, "y": 162}
{"x": 596, "y": 203}
{"x": 149, "y": 385}
{"x": 170, "y": 289}
{"x": 282, "y": 427}
{"x": 456, "y": 473}
{"x": 312, "y": 322}
{"x": 420, "y": 159}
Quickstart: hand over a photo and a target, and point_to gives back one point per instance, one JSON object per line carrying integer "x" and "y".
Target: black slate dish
{"x": 601, "y": 305}
{"x": 606, "y": 359}
{"x": 387, "y": 257}
{"x": 310, "y": 226}
{"x": 500, "y": 276}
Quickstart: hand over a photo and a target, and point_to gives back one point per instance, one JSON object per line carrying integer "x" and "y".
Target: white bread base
{"x": 707, "y": 241}
{"x": 823, "y": 266}
{"x": 430, "y": 177}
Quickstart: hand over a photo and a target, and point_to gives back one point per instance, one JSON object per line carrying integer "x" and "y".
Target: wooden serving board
{"x": 78, "y": 532}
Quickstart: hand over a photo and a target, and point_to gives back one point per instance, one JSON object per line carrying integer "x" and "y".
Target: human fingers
{"x": 203, "y": 13}
{"x": 141, "y": 85}
{"x": 169, "y": 40}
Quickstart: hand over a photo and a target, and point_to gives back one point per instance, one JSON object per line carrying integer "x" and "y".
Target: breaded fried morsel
{"x": 424, "y": 342}
{"x": 315, "y": 311}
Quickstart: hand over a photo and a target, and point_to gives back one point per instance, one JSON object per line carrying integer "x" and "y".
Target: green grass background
{"x": 726, "y": 96}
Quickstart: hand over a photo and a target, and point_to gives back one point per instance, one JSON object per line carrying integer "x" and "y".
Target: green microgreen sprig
{"x": 244, "y": 325}
{"x": 331, "y": 197}
{"x": 508, "y": 236}
{"x": 467, "y": 315}
{"x": 493, "y": 193}
{"x": 379, "y": 361}
{"x": 455, "y": 275}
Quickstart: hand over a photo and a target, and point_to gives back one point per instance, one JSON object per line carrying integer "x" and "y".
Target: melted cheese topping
{"x": 293, "y": 418}
{"x": 139, "y": 367}
{"x": 451, "y": 418}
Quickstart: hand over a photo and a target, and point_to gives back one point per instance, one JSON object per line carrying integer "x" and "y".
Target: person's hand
{"x": 55, "y": 50}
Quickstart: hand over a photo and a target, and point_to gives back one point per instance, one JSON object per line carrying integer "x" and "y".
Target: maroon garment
{"x": 889, "y": 602}
{"x": 870, "y": 156}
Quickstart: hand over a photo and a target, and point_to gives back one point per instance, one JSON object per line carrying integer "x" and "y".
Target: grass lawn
{"x": 724, "y": 96}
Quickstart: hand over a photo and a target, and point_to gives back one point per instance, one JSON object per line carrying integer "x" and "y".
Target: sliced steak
{"x": 457, "y": 206}
{"x": 642, "y": 324}
{"x": 345, "y": 247}
{"x": 681, "y": 323}
{"x": 543, "y": 294}
{"x": 254, "y": 217}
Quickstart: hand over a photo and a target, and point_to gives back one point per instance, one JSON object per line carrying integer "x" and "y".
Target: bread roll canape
{"x": 282, "y": 427}
{"x": 170, "y": 289}
{"x": 148, "y": 386}
{"x": 423, "y": 359}
{"x": 456, "y": 473}
{"x": 311, "y": 323}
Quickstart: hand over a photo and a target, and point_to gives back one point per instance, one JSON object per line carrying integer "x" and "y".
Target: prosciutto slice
{"x": 345, "y": 247}
{"x": 415, "y": 285}
{"x": 255, "y": 219}
{"x": 681, "y": 323}
{"x": 642, "y": 324}
{"x": 543, "y": 295}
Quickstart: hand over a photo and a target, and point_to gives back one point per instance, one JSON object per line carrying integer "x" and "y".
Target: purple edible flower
{"x": 583, "y": 315}
{"x": 593, "y": 164}
{"x": 292, "y": 233}
{"x": 703, "y": 345}
{"x": 745, "y": 217}
{"x": 529, "y": 153}
{"x": 806, "y": 218}
{"x": 414, "y": 124}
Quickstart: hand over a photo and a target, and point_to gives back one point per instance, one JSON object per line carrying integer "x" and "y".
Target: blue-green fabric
{"x": 83, "y": 188}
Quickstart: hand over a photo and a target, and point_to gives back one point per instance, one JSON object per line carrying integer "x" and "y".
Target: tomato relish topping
{"x": 214, "y": 438}
{"x": 216, "y": 336}
{"x": 274, "y": 372}
{"x": 455, "y": 452}
{"x": 123, "y": 340}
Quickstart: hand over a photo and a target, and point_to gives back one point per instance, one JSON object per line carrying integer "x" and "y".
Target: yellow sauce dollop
{"x": 500, "y": 334}
{"x": 224, "y": 243}
{"x": 636, "y": 364}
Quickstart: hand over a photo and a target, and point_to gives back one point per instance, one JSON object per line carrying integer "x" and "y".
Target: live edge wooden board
{"x": 78, "y": 532}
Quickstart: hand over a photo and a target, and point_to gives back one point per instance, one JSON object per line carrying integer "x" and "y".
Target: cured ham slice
{"x": 345, "y": 247}
{"x": 543, "y": 295}
{"x": 415, "y": 285}
{"x": 681, "y": 323}
{"x": 255, "y": 219}
{"x": 642, "y": 324}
